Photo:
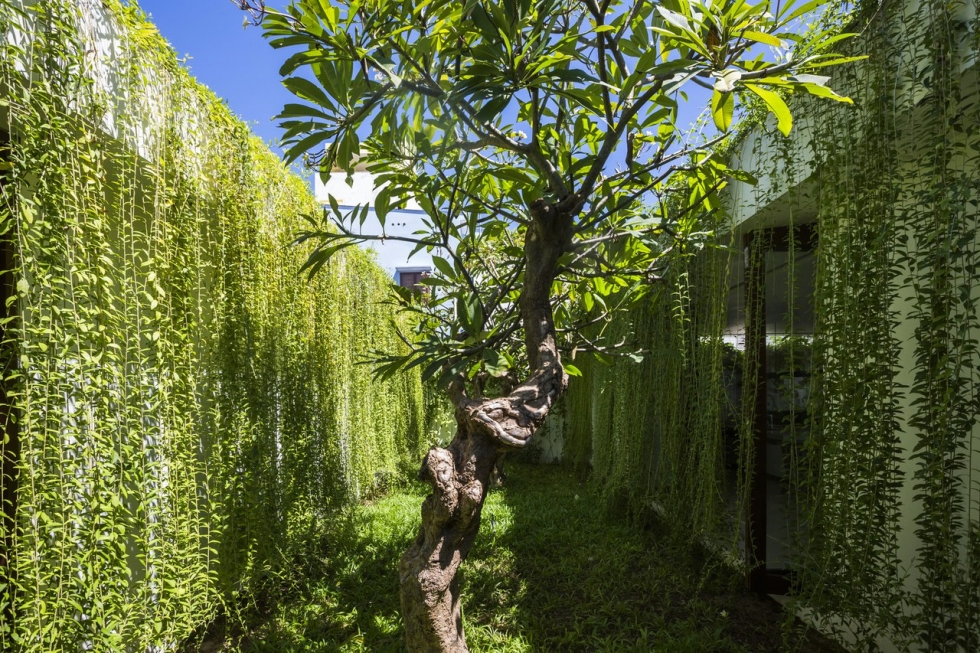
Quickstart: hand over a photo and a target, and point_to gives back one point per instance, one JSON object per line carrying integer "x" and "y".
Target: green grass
{"x": 550, "y": 572}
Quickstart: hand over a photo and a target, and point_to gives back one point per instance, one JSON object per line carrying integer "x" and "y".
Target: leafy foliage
{"x": 882, "y": 476}
{"x": 188, "y": 410}
{"x": 488, "y": 114}
{"x": 652, "y": 433}
{"x": 895, "y": 432}
{"x": 522, "y": 597}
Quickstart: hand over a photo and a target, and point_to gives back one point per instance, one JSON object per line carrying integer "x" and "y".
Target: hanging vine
{"x": 189, "y": 411}
{"x": 652, "y": 430}
{"x": 884, "y": 472}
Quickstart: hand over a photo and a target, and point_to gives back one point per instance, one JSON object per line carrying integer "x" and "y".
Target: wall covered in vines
{"x": 893, "y": 474}
{"x": 651, "y": 433}
{"x": 883, "y": 470}
{"x": 182, "y": 412}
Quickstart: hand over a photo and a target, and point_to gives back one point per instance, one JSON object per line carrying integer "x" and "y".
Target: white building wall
{"x": 785, "y": 189}
{"x": 391, "y": 253}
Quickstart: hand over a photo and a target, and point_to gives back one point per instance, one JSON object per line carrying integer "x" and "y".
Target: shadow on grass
{"x": 550, "y": 572}
{"x": 576, "y": 580}
{"x": 351, "y": 604}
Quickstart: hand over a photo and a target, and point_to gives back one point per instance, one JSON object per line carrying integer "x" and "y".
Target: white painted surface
{"x": 361, "y": 190}
{"x": 782, "y": 191}
{"x": 393, "y": 254}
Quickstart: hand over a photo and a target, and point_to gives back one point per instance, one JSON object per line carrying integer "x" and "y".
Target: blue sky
{"x": 236, "y": 63}
{"x": 240, "y": 67}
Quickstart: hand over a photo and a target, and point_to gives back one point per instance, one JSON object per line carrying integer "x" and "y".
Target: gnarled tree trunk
{"x": 460, "y": 475}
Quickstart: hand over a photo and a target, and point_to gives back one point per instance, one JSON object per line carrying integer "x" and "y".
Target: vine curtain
{"x": 184, "y": 412}
{"x": 883, "y": 474}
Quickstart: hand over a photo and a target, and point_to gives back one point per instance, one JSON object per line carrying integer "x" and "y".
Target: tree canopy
{"x": 541, "y": 141}
{"x": 484, "y": 112}
{"x": 489, "y": 115}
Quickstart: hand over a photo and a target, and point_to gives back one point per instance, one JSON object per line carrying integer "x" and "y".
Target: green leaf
{"x": 444, "y": 267}
{"x": 824, "y": 92}
{"x": 301, "y": 111}
{"x": 301, "y": 147}
{"x": 824, "y": 43}
{"x": 605, "y": 359}
{"x": 382, "y": 205}
{"x": 742, "y": 176}
{"x": 307, "y": 90}
{"x": 675, "y": 19}
{"x": 496, "y": 363}
{"x": 297, "y": 60}
{"x": 819, "y": 80}
{"x": 434, "y": 367}
{"x": 491, "y": 109}
{"x": 806, "y": 8}
{"x": 450, "y": 372}
{"x": 469, "y": 312}
{"x": 831, "y": 60}
{"x": 762, "y": 37}
{"x": 784, "y": 119}
{"x": 722, "y": 109}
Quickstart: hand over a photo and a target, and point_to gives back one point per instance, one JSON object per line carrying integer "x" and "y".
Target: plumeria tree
{"x": 540, "y": 138}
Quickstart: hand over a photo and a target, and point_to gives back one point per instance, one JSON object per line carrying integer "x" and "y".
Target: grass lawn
{"x": 549, "y": 572}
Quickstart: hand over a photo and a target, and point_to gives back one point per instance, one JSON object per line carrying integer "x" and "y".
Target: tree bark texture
{"x": 460, "y": 475}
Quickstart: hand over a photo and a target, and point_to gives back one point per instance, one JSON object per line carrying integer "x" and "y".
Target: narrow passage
{"x": 554, "y": 569}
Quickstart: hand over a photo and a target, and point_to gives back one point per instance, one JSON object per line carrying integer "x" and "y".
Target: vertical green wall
{"x": 190, "y": 412}
{"x": 886, "y": 483}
